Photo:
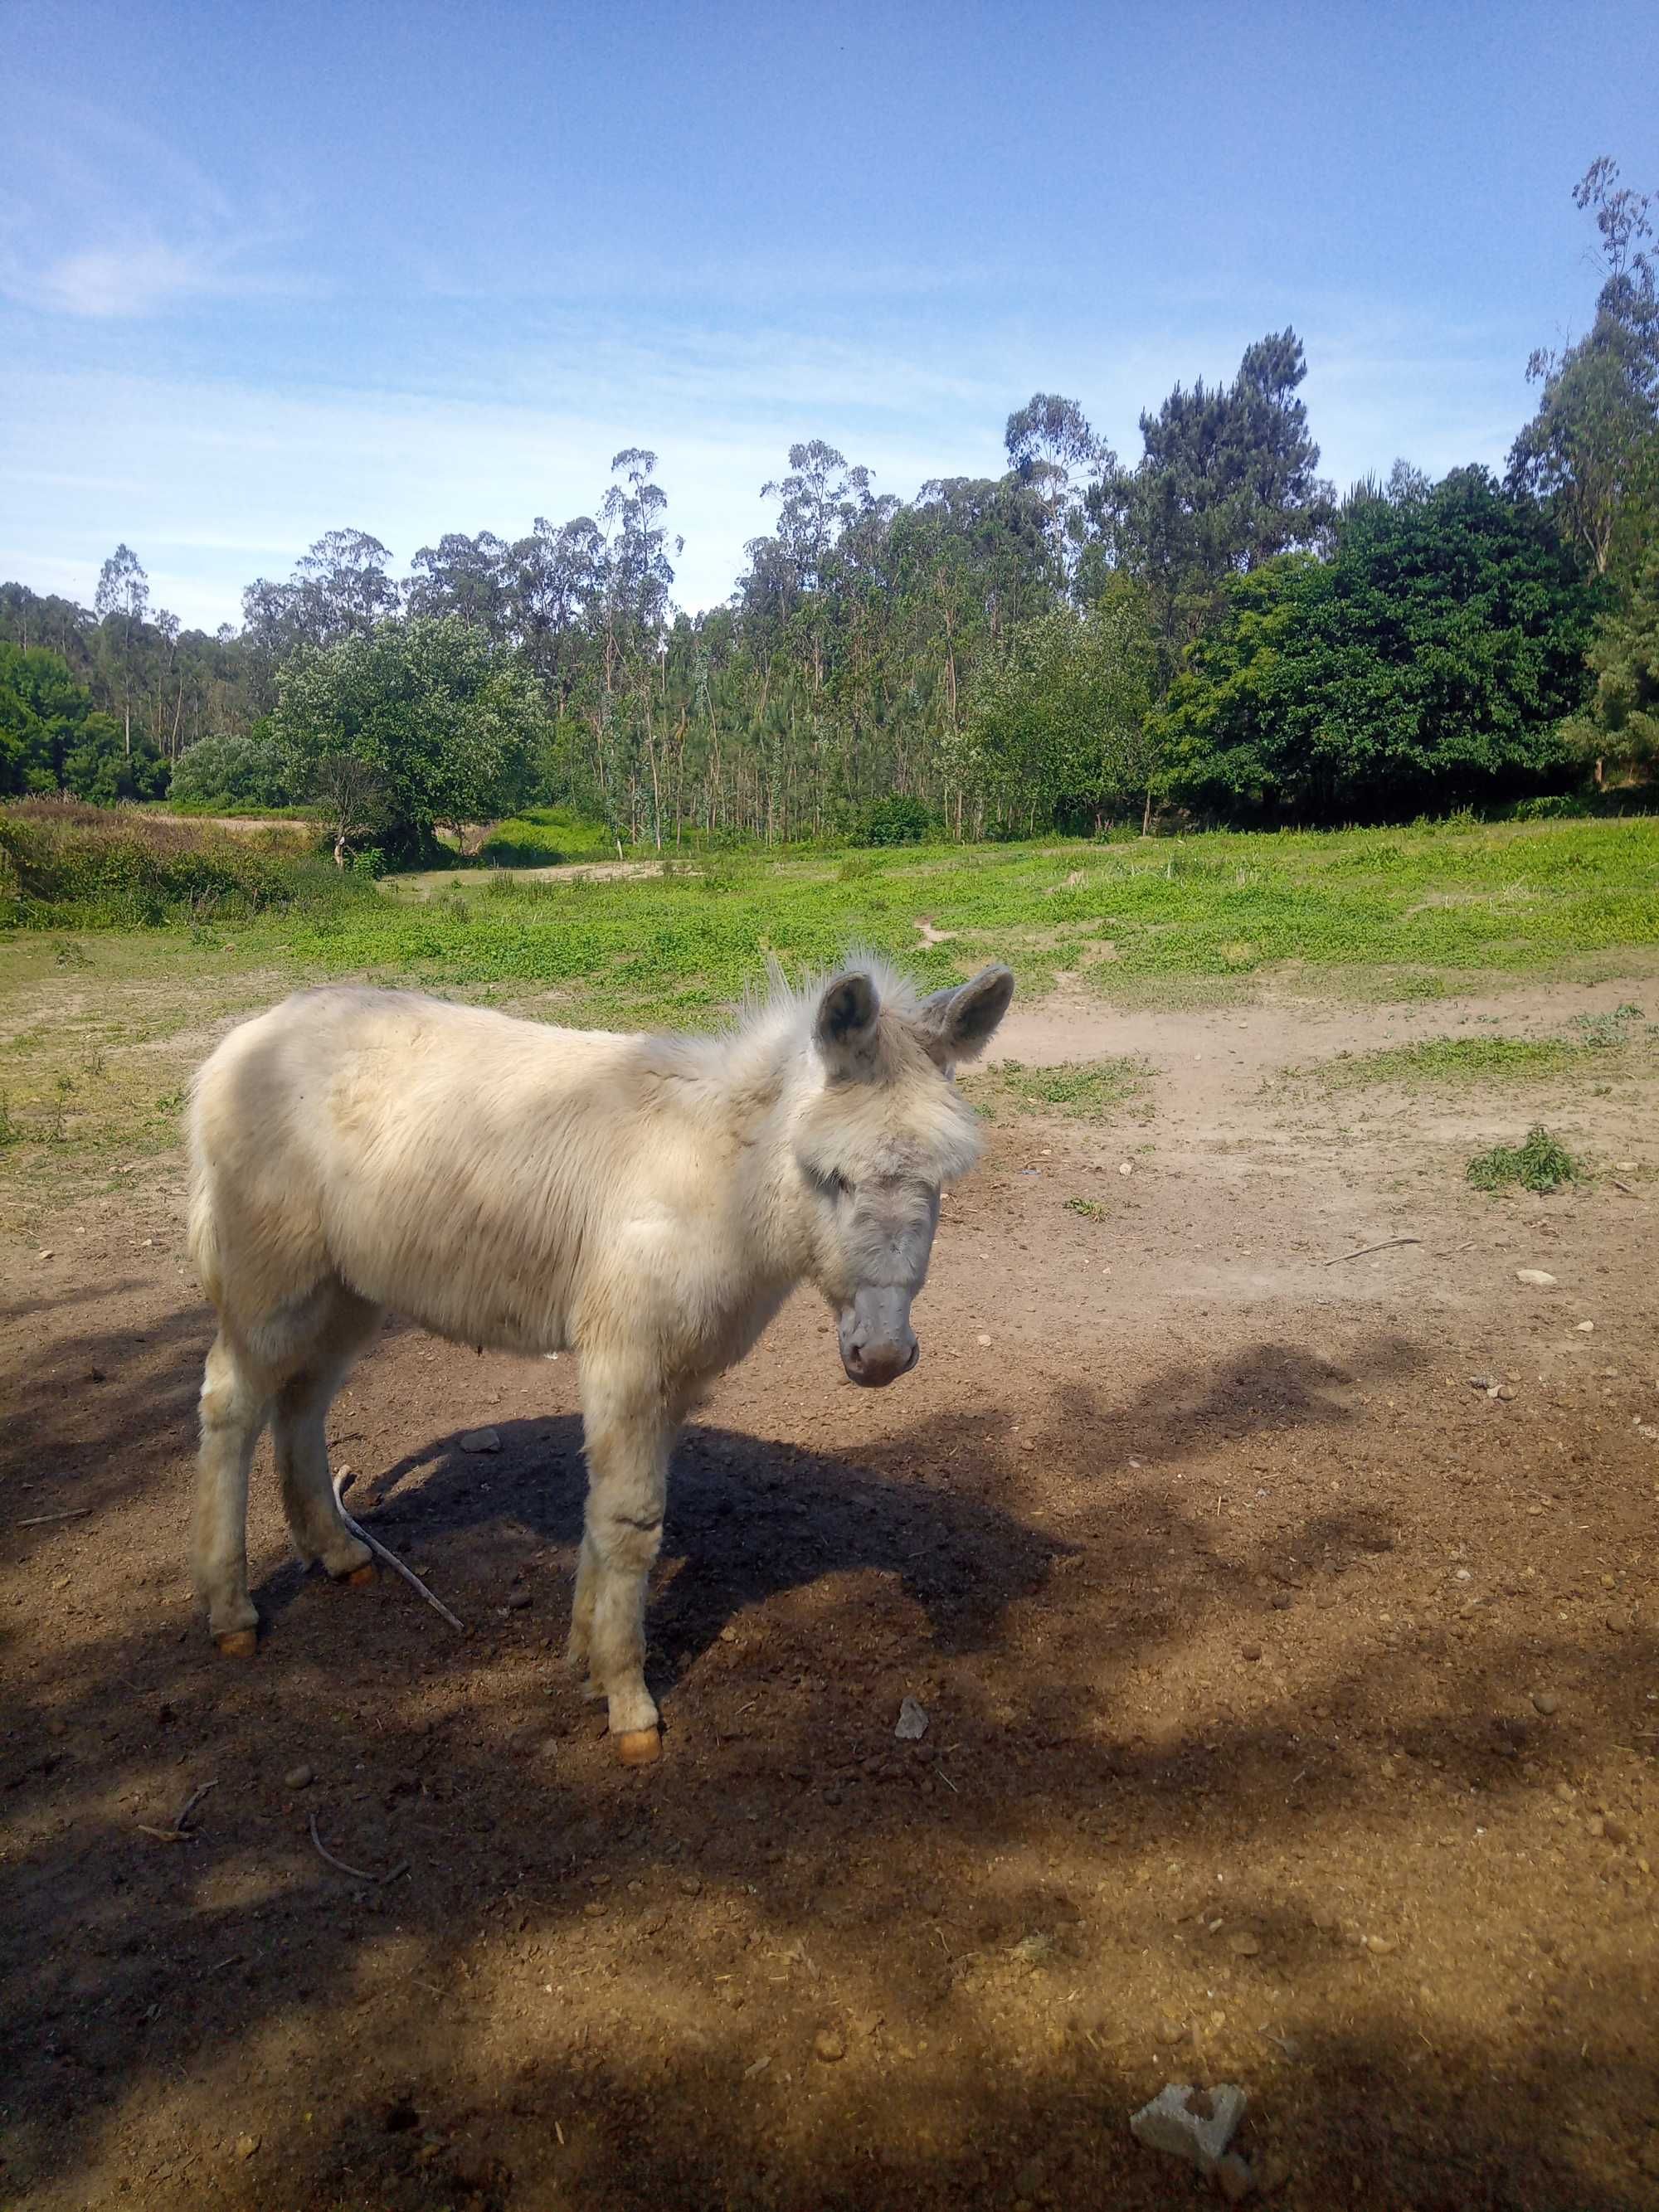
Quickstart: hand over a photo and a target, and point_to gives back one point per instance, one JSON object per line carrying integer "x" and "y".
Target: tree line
{"x": 1076, "y": 640}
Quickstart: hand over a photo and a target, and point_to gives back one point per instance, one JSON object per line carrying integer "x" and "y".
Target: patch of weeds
{"x": 10, "y": 1131}
{"x": 66, "y": 953}
{"x": 1083, "y": 1090}
{"x": 1089, "y": 1208}
{"x": 1607, "y": 1032}
{"x": 1455, "y": 1060}
{"x": 1543, "y": 1163}
{"x": 56, "y": 1111}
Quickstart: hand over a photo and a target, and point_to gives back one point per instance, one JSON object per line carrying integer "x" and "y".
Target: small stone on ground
{"x": 1196, "y": 2124}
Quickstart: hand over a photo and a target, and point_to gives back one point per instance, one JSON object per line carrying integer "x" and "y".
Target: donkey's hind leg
{"x": 314, "y": 1519}
{"x": 236, "y": 1394}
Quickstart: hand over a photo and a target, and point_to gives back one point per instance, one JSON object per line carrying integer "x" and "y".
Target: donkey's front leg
{"x": 629, "y": 1432}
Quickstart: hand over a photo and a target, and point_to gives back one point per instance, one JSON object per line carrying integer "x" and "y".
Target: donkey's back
{"x": 443, "y": 1160}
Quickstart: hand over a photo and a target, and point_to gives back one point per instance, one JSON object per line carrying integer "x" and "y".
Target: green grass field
{"x": 1424, "y": 905}
{"x": 1421, "y": 906}
{"x": 99, "y": 1023}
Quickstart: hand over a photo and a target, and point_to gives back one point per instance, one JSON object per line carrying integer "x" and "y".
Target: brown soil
{"x": 1294, "y": 1708}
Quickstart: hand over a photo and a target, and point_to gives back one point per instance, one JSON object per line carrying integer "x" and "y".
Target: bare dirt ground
{"x": 1293, "y": 1706}
{"x": 429, "y": 882}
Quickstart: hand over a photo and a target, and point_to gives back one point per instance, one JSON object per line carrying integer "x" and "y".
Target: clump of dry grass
{"x": 63, "y": 863}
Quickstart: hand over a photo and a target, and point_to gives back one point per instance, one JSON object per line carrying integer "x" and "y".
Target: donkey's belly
{"x": 471, "y": 1288}
{"x": 498, "y": 1332}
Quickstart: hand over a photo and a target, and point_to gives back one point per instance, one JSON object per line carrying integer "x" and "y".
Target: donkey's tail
{"x": 201, "y": 1236}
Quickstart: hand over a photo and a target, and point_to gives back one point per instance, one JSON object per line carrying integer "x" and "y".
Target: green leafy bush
{"x": 227, "y": 772}
{"x": 1428, "y": 664}
{"x": 52, "y": 739}
{"x": 897, "y": 820}
{"x": 1541, "y": 1165}
{"x": 542, "y": 837}
{"x": 419, "y": 725}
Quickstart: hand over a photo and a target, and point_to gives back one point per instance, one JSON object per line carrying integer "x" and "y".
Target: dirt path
{"x": 424, "y": 884}
{"x": 1294, "y": 1708}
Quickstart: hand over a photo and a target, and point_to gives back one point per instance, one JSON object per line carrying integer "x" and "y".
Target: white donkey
{"x": 649, "y": 1200}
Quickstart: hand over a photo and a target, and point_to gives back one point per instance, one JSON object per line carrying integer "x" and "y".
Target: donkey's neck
{"x": 753, "y": 1085}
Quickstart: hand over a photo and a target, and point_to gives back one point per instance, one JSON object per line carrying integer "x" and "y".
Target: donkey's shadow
{"x": 747, "y": 1518}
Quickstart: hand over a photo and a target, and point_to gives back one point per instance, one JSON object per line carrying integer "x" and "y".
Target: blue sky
{"x": 267, "y": 271}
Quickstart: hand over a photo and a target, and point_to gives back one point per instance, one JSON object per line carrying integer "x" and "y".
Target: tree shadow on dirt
{"x": 446, "y": 2029}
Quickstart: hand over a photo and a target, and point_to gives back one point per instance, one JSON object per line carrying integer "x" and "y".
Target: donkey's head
{"x": 878, "y": 1138}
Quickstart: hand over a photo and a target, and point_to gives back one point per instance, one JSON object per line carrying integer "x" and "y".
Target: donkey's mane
{"x": 775, "y": 1021}
{"x": 779, "y": 1006}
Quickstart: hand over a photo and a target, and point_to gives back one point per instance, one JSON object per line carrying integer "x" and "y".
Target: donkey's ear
{"x": 958, "y": 1023}
{"x": 845, "y": 1027}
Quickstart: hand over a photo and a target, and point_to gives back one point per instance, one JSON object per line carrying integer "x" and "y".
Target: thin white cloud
{"x": 102, "y": 220}
{"x": 241, "y": 480}
{"x": 132, "y": 281}
{"x": 214, "y": 481}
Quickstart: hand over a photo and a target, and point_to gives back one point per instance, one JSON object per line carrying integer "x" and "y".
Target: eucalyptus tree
{"x": 1057, "y": 722}
{"x": 1054, "y": 451}
{"x": 343, "y": 587}
{"x": 1591, "y": 451}
{"x": 556, "y": 586}
{"x": 1620, "y": 726}
{"x": 637, "y": 576}
{"x": 339, "y": 589}
{"x": 122, "y": 599}
{"x": 467, "y": 577}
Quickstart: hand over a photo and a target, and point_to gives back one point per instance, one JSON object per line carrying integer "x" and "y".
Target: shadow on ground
{"x": 473, "y": 2032}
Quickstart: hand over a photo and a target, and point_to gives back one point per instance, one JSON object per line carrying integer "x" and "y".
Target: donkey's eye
{"x": 833, "y": 1185}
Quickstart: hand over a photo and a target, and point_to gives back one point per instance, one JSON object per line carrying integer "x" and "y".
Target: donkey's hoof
{"x": 238, "y": 1643}
{"x": 639, "y": 1747}
{"x": 360, "y": 1577}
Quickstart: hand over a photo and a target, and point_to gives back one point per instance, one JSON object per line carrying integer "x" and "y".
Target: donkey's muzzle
{"x": 879, "y": 1365}
{"x": 877, "y": 1344}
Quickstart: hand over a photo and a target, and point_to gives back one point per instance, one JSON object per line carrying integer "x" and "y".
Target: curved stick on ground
{"x": 179, "y": 1833}
{"x": 397, "y": 1565}
{"x": 1386, "y": 1245}
{"x": 356, "y": 1873}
